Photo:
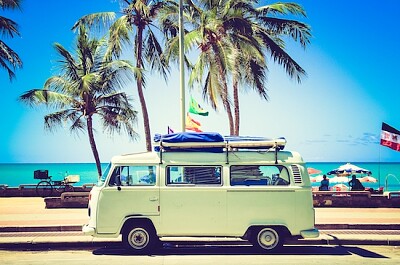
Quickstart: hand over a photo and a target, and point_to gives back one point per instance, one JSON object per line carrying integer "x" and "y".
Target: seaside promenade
{"x": 26, "y": 222}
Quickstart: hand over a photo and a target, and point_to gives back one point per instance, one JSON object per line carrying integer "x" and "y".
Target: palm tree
{"x": 88, "y": 85}
{"x": 233, "y": 38}
{"x": 9, "y": 59}
{"x": 209, "y": 32}
{"x": 137, "y": 23}
{"x": 269, "y": 31}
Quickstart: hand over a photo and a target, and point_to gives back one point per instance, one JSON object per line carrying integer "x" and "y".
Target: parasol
{"x": 340, "y": 187}
{"x": 368, "y": 179}
{"x": 339, "y": 179}
{"x": 316, "y": 178}
{"x": 348, "y": 169}
{"x": 313, "y": 171}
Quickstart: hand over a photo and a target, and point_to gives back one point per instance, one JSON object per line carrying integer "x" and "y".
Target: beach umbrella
{"x": 316, "y": 178}
{"x": 339, "y": 179}
{"x": 313, "y": 171}
{"x": 368, "y": 179}
{"x": 348, "y": 169}
{"x": 340, "y": 187}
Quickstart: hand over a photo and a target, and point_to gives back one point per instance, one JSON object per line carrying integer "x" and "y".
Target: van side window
{"x": 133, "y": 176}
{"x": 204, "y": 175}
{"x": 256, "y": 175}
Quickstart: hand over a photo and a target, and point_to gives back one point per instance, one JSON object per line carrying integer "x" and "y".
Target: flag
{"x": 195, "y": 108}
{"x": 191, "y": 124}
{"x": 170, "y": 130}
{"x": 390, "y": 137}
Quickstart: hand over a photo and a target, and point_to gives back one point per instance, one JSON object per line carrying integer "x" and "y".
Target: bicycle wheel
{"x": 44, "y": 189}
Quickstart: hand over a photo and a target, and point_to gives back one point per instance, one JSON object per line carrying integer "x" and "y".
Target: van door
{"x": 130, "y": 191}
{"x": 193, "y": 202}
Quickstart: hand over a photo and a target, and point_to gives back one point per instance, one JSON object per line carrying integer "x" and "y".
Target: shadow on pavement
{"x": 170, "y": 249}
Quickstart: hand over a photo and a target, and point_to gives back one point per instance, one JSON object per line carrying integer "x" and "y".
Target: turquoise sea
{"x": 15, "y": 174}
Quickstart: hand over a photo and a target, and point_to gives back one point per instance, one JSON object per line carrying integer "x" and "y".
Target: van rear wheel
{"x": 267, "y": 239}
{"x": 139, "y": 238}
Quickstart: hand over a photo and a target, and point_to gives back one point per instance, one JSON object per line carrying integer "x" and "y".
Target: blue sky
{"x": 335, "y": 114}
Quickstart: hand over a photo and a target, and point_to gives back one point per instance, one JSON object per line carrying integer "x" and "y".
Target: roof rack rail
{"x": 214, "y": 142}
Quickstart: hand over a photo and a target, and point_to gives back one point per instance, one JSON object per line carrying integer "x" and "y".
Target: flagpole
{"x": 181, "y": 65}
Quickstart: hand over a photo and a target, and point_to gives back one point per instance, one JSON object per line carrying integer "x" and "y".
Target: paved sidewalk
{"x": 24, "y": 222}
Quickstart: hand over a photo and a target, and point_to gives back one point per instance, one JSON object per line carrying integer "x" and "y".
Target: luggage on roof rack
{"x": 214, "y": 142}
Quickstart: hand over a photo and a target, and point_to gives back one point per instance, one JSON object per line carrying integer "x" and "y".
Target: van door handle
{"x": 153, "y": 199}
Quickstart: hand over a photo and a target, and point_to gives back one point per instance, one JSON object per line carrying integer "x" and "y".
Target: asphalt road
{"x": 216, "y": 255}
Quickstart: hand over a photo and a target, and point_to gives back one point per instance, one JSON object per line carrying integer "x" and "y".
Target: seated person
{"x": 324, "y": 184}
{"x": 150, "y": 178}
{"x": 355, "y": 184}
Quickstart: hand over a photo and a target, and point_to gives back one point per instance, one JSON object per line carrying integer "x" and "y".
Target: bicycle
{"x": 45, "y": 187}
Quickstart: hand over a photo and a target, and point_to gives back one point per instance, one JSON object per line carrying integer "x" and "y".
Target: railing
{"x": 343, "y": 193}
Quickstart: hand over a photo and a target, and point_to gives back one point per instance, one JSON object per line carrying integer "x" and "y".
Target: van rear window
{"x": 258, "y": 175}
{"x": 204, "y": 175}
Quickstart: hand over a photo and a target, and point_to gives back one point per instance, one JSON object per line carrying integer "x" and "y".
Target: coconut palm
{"x": 206, "y": 31}
{"x": 9, "y": 59}
{"x": 137, "y": 23}
{"x": 233, "y": 38}
{"x": 269, "y": 31}
{"x": 87, "y": 86}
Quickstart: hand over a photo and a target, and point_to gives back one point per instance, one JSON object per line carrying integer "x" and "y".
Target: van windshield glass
{"x": 101, "y": 181}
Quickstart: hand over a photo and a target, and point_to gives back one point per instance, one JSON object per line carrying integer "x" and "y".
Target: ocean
{"x": 15, "y": 174}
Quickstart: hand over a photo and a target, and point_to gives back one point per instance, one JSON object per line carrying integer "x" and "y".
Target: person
{"x": 355, "y": 184}
{"x": 150, "y": 178}
{"x": 324, "y": 183}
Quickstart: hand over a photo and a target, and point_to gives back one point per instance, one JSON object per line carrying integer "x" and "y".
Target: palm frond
{"x": 8, "y": 27}
{"x": 119, "y": 36}
{"x": 296, "y": 30}
{"x": 95, "y": 21}
{"x": 153, "y": 54}
{"x": 282, "y": 9}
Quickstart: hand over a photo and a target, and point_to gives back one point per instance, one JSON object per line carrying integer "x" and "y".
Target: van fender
{"x": 283, "y": 230}
{"x": 136, "y": 219}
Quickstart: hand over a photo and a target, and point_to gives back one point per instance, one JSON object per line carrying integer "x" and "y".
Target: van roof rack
{"x": 214, "y": 142}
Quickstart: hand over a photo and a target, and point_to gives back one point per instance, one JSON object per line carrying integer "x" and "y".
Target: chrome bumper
{"x": 88, "y": 231}
{"x": 310, "y": 233}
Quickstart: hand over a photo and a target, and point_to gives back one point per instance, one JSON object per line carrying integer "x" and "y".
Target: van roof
{"x": 198, "y": 158}
{"x": 213, "y": 142}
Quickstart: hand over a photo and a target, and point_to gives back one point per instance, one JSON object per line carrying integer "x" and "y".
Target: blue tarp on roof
{"x": 207, "y": 137}
{"x": 190, "y": 137}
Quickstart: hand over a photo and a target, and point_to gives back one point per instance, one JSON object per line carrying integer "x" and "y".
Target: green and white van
{"x": 242, "y": 188}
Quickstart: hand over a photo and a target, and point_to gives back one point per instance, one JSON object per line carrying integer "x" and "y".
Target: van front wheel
{"x": 138, "y": 238}
{"x": 267, "y": 239}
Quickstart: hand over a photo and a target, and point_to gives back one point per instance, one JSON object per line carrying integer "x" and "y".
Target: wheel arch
{"x": 137, "y": 220}
{"x": 282, "y": 229}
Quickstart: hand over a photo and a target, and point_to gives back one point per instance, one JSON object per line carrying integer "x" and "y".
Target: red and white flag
{"x": 390, "y": 137}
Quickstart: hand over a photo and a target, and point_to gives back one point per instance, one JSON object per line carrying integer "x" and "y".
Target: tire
{"x": 44, "y": 189}
{"x": 139, "y": 238}
{"x": 267, "y": 239}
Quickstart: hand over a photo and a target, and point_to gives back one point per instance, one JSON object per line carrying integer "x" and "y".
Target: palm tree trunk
{"x": 139, "y": 84}
{"x": 93, "y": 144}
{"x": 236, "y": 105}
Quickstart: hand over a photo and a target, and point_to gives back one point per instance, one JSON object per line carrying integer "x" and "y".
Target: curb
{"x": 118, "y": 245}
{"x": 56, "y": 228}
{"x": 75, "y": 228}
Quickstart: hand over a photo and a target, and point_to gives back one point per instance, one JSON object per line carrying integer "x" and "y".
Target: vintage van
{"x": 204, "y": 185}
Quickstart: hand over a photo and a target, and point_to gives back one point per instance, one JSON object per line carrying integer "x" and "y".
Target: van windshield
{"x": 101, "y": 181}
